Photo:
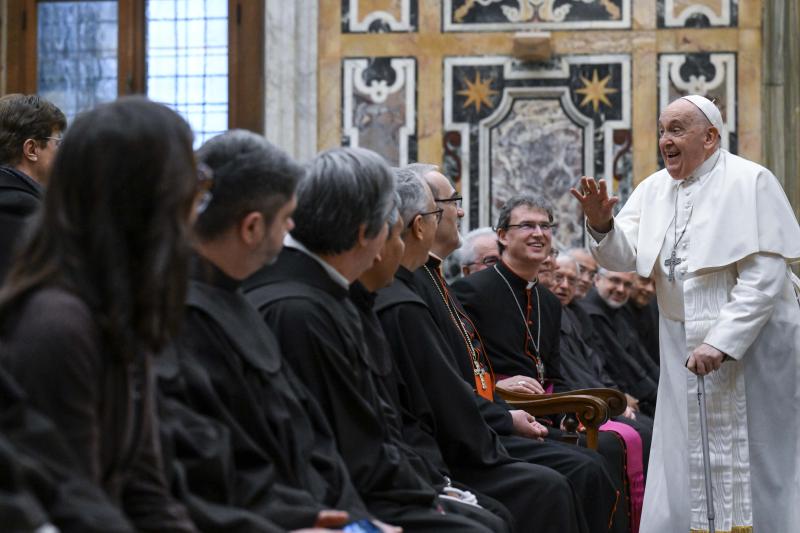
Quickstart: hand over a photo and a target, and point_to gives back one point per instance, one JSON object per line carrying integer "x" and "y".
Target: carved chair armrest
{"x": 591, "y": 411}
{"x": 614, "y": 399}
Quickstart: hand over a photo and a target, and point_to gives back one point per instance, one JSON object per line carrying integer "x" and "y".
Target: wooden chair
{"x": 593, "y": 407}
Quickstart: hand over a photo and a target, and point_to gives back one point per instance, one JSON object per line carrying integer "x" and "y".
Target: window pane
{"x": 77, "y": 54}
{"x": 187, "y": 61}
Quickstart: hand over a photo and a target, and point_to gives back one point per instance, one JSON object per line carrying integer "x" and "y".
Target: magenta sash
{"x": 634, "y": 468}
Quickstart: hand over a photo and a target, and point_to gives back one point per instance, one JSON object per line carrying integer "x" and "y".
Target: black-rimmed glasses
{"x": 56, "y": 139}
{"x": 455, "y": 199}
{"x": 437, "y": 212}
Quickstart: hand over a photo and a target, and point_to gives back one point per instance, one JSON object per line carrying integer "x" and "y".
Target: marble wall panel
{"x": 509, "y": 15}
{"x": 514, "y": 127}
{"x": 379, "y": 106}
{"x": 379, "y": 16}
{"x": 697, "y": 13}
{"x": 712, "y": 75}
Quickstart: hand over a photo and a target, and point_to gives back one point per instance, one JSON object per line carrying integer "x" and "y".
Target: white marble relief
{"x": 676, "y": 13}
{"x": 537, "y": 15}
{"x": 358, "y": 23}
{"x": 380, "y": 115}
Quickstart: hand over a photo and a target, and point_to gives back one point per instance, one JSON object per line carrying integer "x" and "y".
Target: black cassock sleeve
{"x": 324, "y": 353}
{"x": 420, "y": 352}
{"x": 213, "y": 385}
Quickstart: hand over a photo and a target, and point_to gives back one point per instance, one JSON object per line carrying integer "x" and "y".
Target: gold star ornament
{"x": 478, "y": 92}
{"x": 595, "y": 91}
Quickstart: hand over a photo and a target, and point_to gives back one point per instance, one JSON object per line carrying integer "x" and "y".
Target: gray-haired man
{"x": 343, "y": 206}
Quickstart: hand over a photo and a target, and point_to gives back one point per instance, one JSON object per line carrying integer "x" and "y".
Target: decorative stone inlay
{"x": 697, "y": 13}
{"x": 509, "y": 15}
{"x": 379, "y": 16}
{"x": 379, "y": 106}
{"x": 712, "y": 75}
{"x": 538, "y": 129}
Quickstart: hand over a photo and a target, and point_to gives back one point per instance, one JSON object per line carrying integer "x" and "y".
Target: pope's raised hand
{"x": 597, "y": 205}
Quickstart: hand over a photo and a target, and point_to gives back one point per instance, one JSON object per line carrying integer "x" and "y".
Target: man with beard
{"x": 30, "y": 133}
{"x": 251, "y": 450}
{"x": 623, "y": 354}
{"x": 304, "y": 297}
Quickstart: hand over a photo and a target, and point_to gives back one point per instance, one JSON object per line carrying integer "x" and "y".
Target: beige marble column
{"x": 781, "y": 141}
{"x": 290, "y": 85}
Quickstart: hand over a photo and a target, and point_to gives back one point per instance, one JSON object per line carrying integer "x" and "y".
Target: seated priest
{"x": 642, "y": 310}
{"x": 625, "y": 358}
{"x": 251, "y": 448}
{"x": 344, "y": 205}
{"x": 515, "y": 428}
{"x": 588, "y": 270}
{"x": 436, "y": 394}
{"x": 519, "y": 321}
{"x": 478, "y": 251}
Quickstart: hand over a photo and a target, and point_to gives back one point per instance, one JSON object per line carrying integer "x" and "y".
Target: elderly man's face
{"x": 615, "y": 287}
{"x": 447, "y": 236}
{"x": 587, "y": 273}
{"x": 546, "y": 270}
{"x": 524, "y": 239}
{"x": 486, "y": 254}
{"x": 685, "y": 138}
{"x": 565, "y": 279}
{"x": 643, "y": 290}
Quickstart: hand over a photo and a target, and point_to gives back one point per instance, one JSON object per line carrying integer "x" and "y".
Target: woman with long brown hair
{"x": 98, "y": 289}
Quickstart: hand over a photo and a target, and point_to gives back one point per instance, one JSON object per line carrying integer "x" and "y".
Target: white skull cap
{"x": 708, "y": 108}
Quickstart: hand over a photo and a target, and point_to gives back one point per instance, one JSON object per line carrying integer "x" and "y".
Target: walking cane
{"x": 701, "y": 401}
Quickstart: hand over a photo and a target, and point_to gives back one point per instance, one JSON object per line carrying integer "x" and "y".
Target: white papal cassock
{"x": 732, "y": 290}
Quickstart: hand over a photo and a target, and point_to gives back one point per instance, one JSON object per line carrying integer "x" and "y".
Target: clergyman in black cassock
{"x": 228, "y": 367}
{"x": 623, "y": 354}
{"x": 304, "y": 299}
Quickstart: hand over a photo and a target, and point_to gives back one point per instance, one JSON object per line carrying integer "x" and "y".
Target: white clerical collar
{"x": 705, "y": 168}
{"x": 291, "y": 242}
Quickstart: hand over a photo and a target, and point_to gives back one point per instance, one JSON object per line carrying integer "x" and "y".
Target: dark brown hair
{"x": 115, "y": 223}
{"x": 24, "y": 117}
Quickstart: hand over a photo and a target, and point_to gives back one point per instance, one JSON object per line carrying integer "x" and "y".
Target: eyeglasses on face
{"x": 205, "y": 182}
{"x": 613, "y": 280}
{"x": 455, "y": 199}
{"x": 489, "y": 260}
{"x": 572, "y": 281}
{"x": 436, "y": 212}
{"x": 56, "y": 139}
{"x": 528, "y": 227}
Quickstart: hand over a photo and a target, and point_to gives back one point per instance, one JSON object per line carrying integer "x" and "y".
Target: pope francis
{"x": 718, "y": 234}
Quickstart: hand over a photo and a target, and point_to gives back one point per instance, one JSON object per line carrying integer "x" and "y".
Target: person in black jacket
{"x": 30, "y": 132}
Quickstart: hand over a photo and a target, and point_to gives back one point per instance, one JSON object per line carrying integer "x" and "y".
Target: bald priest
{"x": 718, "y": 234}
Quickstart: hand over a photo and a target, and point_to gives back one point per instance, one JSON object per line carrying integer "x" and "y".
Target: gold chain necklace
{"x": 478, "y": 369}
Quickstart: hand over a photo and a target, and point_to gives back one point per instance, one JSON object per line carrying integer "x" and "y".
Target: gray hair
{"x": 466, "y": 254}
{"x": 344, "y": 188}
{"x": 527, "y": 200}
{"x": 413, "y": 192}
{"x": 568, "y": 259}
{"x": 250, "y": 174}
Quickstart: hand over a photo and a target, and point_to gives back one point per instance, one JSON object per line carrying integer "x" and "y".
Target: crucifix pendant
{"x": 672, "y": 262}
{"x": 480, "y": 373}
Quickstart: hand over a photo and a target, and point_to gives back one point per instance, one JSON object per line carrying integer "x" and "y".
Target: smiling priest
{"x": 717, "y": 234}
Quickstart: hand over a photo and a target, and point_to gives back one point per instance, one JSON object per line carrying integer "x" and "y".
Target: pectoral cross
{"x": 672, "y": 262}
{"x": 480, "y": 372}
